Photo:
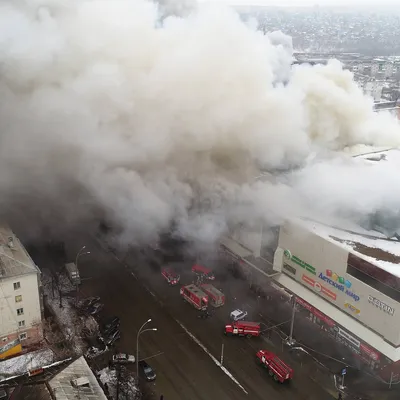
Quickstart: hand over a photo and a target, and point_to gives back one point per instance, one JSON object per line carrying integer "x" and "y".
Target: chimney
{"x": 10, "y": 242}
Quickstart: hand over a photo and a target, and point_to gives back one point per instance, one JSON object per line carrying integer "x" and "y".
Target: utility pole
{"x": 141, "y": 330}
{"x": 118, "y": 380}
{"x": 292, "y": 320}
{"x": 76, "y": 265}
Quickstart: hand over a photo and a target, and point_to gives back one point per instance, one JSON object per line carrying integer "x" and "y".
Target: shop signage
{"x": 352, "y": 309}
{"x": 318, "y": 287}
{"x": 289, "y": 269}
{"x": 349, "y": 338}
{"x": 381, "y": 305}
{"x": 335, "y": 281}
{"x": 289, "y": 256}
{"x": 369, "y": 352}
{"x": 316, "y": 312}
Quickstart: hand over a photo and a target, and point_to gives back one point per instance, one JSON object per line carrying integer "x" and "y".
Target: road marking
{"x": 216, "y": 362}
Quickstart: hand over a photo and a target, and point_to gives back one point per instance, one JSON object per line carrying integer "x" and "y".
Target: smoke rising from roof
{"x": 119, "y": 108}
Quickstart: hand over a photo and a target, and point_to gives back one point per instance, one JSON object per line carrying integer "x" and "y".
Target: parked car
{"x": 109, "y": 324}
{"x": 95, "y": 309}
{"x": 147, "y": 371}
{"x": 85, "y": 303}
{"x": 123, "y": 358}
{"x": 238, "y": 315}
{"x": 112, "y": 337}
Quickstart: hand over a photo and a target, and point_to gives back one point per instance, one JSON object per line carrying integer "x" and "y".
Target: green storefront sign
{"x": 299, "y": 262}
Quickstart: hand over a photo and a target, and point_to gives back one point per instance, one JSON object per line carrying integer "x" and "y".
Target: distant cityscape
{"x": 366, "y": 42}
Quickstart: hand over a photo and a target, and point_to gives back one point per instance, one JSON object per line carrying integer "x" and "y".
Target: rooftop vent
{"x": 79, "y": 382}
{"x": 10, "y": 242}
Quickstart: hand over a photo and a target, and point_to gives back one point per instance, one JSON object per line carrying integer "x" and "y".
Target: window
{"x": 18, "y": 298}
{"x": 21, "y": 323}
{"x": 20, "y": 311}
{"x": 17, "y": 285}
{"x": 22, "y": 336}
{"x": 373, "y": 276}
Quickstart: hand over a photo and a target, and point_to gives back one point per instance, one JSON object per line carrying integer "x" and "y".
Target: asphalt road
{"x": 184, "y": 370}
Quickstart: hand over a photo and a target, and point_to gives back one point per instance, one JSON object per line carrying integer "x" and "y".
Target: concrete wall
{"x": 321, "y": 266}
{"x": 30, "y": 303}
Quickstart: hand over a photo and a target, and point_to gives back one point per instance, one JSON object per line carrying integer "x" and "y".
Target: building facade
{"x": 359, "y": 296}
{"x": 345, "y": 278}
{"x": 21, "y": 307}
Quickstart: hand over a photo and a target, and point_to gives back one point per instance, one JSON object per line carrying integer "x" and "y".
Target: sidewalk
{"x": 333, "y": 355}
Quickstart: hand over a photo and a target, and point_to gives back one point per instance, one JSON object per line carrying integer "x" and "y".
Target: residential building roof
{"x": 14, "y": 259}
{"x": 64, "y": 389}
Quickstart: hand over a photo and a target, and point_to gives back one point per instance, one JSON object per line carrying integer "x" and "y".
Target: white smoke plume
{"x": 114, "y": 107}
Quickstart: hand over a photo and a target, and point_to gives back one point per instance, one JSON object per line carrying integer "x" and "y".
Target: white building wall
{"x": 310, "y": 255}
{"x": 30, "y": 304}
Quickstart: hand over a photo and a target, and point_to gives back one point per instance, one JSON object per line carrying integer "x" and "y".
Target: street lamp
{"x": 80, "y": 253}
{"x": 141, "y": 330}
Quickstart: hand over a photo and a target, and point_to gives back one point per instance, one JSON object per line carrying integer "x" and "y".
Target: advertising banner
{"x": 11, "y": 348}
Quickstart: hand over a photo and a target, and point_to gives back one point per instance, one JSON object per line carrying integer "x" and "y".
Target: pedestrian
{"x": 340, "y": 397}
{"x": 162, "y": 397}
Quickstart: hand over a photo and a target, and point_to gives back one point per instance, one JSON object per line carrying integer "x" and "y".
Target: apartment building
{"x": 20, "y": 296}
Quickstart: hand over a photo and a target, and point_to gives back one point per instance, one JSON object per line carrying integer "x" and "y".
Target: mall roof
{"x": 369, "y": 245}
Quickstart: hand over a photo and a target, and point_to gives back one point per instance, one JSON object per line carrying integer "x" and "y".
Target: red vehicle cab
{"x": 280, "y": 371}
{"x": 195, "y": 296}
{"x": 243, "y": 328}
{"x": 206, "y": 272}
{"x": 170, "y": 276}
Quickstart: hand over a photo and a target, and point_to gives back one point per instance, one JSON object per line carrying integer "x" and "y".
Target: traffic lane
{"x": 239, "y": 353}
{"x": 184, "y": 370}
{"x": 255, "y": 380}
{"x": 213, "y": 327}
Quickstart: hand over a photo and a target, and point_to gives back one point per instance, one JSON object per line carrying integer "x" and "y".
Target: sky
{"x": 303, "y": 3}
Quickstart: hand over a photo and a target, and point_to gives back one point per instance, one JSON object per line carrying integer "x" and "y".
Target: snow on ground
{"x": 21, "y": 364}
{"x": 379, "y": 251}
{"x": 128, "y": 390}
{"x": 66, "y": 315}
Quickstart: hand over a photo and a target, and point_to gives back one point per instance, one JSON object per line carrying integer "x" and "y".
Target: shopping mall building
{"x": 345, "y": 278}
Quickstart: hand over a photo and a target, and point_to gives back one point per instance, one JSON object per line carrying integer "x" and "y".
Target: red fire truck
{"x": 243, "y": 328}
{"x": 195, "y": 296}
{"x": 280, "y": 371}
{"x": 215, "y": 296}
{"x": 203, "y": 271}
{"x": 171, "y": 276}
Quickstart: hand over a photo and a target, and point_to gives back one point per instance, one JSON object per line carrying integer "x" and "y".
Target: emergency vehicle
{"x": 280, "y": 371}
{"x": 243, "y": 328}
{"x": 203, "y": 271}
{"x": 171, "y": 276}
{"x": 215, "y": 296}
{"x": 195, "y": 296}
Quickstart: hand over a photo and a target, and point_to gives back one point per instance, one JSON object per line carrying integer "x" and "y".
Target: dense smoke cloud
{"x": 113, "y": 107}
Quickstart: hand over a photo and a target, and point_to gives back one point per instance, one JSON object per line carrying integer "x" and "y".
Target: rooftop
{"x": 14, "y": 259}
{"x": 369, "y": 245}
{"x": 63, "y": 389}
{"x": 23, "y": 363}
